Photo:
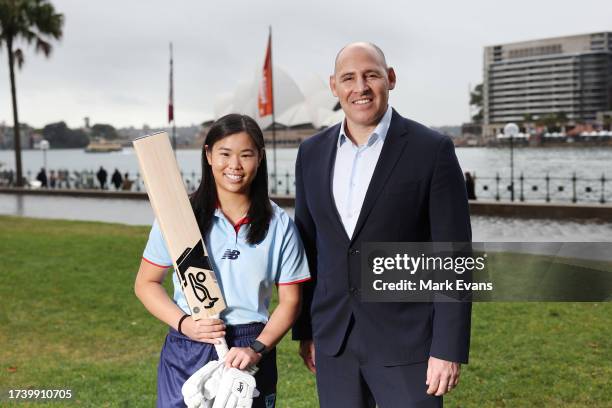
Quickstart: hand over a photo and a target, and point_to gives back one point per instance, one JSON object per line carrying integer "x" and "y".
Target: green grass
{"x": 69, "y": 319}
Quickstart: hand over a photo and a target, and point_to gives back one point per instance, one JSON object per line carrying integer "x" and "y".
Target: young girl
{"x": 252, "y": 245}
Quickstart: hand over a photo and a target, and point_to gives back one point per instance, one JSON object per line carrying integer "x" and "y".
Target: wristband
{"x": 180, "y": 323}
{"x": 258, "y": 347}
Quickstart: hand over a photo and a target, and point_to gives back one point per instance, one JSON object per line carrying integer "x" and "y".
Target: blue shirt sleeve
{"x": 293, "y": 266}
{"x": 156, "y": 251}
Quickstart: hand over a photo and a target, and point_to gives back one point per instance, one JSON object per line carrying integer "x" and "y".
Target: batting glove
{"x": 236, "y": 390}
{"x": 194, "y": 390}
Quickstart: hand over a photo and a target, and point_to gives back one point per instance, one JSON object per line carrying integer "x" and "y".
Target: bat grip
{"x": 222, "y": 347}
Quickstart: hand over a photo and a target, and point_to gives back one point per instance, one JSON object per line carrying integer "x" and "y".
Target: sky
{"x": 112, "y": 62}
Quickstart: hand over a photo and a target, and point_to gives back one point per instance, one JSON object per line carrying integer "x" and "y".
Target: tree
{"x": 527, "y": 121}
{"x": 550, "y": 121}
{"x": 607, "y": 121}
{"x": 32, "y": 21}
{"x": 61, "y": 136}
{"x": 562, "y": 118}
{"x": 105, "y": 131}
{"x": 476, "y": 101}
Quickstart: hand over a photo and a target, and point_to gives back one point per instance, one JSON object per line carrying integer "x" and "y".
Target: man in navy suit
{"x": 376, "y": 177}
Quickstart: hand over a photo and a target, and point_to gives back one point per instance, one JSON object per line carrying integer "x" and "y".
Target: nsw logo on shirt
{"x": 231, "y": 254}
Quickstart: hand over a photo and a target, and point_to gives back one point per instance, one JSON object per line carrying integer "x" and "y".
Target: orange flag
{"x": 265, "y": 99}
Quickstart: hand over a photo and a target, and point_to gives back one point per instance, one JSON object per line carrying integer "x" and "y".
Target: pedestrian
{"x": 42, "y": 177}
{"x": 470, "y": 186}
{"x": 102, "y": 175}
{"x": 376, "y": 177}
{"x": 65, "y": 178}
{"x": 116, "y": 179}
{"x": 252, "y": 245}
{"x": 127, "y": 183}
{"x": 78, "y": 179}
{"x": 61, "y": 179}
{"x": 52, "y": 179}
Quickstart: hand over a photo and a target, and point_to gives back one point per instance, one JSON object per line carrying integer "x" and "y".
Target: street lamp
{"x": 44, "y": 146}
{"x": 511, "y": 130}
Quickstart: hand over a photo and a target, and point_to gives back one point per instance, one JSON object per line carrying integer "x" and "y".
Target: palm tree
{"x": 32, "y": 21}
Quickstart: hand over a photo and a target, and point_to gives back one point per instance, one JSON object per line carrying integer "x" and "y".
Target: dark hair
{"x": 204, "y": 200}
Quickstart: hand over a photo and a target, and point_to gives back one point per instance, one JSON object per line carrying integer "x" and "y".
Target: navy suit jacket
{"x": 417, "y": 194}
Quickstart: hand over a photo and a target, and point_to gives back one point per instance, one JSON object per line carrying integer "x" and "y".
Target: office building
{"x": 568, "y": 76}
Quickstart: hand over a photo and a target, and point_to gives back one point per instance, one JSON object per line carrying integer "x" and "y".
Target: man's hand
{"x": 307, "y": 352}
{"x": 241, "y": 358}
{"x": 442, "y": 376}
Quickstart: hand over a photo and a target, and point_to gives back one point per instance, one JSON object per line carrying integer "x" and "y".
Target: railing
{"x": 548, "y": 188}
{"x": 284, "y": 184}
{"x": 545, "y": 189}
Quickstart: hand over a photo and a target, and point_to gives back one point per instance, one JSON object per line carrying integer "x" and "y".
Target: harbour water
{"x": 484, "y": 162}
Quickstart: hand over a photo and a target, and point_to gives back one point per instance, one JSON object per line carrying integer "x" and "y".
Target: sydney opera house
{"x": 307, "y": 105}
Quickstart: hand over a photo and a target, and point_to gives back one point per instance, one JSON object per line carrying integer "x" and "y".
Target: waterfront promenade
{"x": 559, "y": 174}
{"x": 491, "y": 221}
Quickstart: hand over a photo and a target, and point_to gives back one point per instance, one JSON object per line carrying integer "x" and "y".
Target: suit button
{"x": 353, "y": 251}
{"x": 354, "y": 291}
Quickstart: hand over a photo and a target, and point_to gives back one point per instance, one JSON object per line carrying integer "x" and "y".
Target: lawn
{"x": 69, "y": 319}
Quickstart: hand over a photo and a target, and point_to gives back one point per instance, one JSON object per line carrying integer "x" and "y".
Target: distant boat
{"x": 103, "y": 146}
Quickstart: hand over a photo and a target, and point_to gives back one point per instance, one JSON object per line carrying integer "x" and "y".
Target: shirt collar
{"x": 243, "y": 221}
{"x": 380, "y": 132}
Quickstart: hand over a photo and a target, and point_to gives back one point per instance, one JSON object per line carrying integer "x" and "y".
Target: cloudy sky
{"x": 112, "y": 64}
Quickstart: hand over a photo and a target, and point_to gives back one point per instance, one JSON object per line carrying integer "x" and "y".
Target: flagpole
{"x": 273, "y": 119}
{"x": 171, "y": 102}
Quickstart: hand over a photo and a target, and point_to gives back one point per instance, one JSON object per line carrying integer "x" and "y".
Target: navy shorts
{"x": 181, "y": 357}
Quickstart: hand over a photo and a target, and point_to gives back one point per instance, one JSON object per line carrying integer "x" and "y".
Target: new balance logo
{"x": 231, "y": 254}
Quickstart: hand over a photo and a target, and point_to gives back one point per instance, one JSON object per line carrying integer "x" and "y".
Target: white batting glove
{"x": 193, "y": 390}
{"x": 236, "y": 390}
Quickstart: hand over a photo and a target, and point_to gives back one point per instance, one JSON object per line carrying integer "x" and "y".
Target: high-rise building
{"x": 570, "y": 76}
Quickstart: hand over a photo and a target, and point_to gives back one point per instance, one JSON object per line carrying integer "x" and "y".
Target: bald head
{"x": 361, "y": 45}
{"x": 361, "y": 81}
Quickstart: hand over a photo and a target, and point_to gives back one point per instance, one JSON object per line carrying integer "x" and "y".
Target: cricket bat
{"x": 178, "y": 224}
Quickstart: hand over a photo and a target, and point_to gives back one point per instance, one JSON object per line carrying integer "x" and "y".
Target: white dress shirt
{"x": 353, "y": 171}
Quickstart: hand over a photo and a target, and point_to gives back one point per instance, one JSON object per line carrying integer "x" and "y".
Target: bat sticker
{"x": 194, "y": 257}
{"x": 200, "y": 291}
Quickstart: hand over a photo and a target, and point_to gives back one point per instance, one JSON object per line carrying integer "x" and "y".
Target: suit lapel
{"x": 329, "y": 158}
{"x": 391, "y": 152}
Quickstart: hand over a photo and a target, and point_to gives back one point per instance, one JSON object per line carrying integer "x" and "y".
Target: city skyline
{"x": 112, "y": 64}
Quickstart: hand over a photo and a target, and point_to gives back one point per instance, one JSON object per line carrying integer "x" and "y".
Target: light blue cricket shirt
{"x": 245, "y": 272}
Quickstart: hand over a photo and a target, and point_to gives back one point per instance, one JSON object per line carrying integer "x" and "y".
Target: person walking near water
{"x": 42, "y": 177}
{"x": 470, "y": 186}
{"x": 116, "y": 179}
{"x": 102, "y": 176}
{"x": 52, "y": 179}
{"x": 127, "y": 183}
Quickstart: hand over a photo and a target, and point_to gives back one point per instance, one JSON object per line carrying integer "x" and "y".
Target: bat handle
{"x": 222, "y": 347}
